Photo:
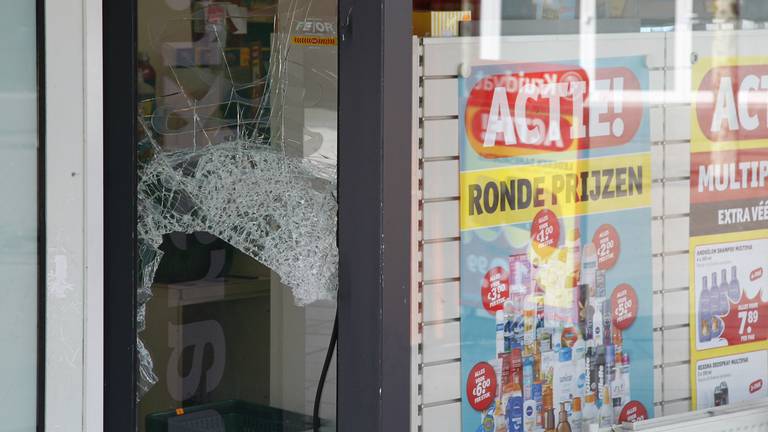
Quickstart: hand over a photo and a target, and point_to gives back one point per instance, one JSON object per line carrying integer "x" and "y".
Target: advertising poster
{"x": 556, "y": 292}
{"x": 728, "y": 225}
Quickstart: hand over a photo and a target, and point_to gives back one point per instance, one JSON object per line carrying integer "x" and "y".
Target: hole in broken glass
{"x": 220, "y": 154}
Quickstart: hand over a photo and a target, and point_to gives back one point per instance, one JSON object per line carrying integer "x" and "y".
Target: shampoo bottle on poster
{"x": 589, "y": 415}
{"x": 576, "y": 414}
{"x": 529, "y": 415}
{"x": 563, "y": 425}
{"x": 734, "y": 291}
{"x": 705, "y": 318}
{"x": 626, "y": 393}
{"x": 723, "y": 293}
{"x": 605, "y": 413}
{"x": 589, "y": 266}
{"x": 500, "y": 321}
{"x": 714, "y": 306}
{"x": 514, "y": 412}
{"x": 597, "y": 323}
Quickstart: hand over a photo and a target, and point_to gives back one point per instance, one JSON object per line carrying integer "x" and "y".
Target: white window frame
{"x": 74, "y": 216}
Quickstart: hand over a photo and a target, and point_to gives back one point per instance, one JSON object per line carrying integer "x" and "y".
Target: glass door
{"x": 20, "y": 157}
{"x": 236, "y": 225}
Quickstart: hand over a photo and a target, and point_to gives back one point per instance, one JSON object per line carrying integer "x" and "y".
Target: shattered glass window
{"x": 236, "y": 213}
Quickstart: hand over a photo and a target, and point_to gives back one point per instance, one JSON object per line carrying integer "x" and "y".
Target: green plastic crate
{"x": 229, "y": 416}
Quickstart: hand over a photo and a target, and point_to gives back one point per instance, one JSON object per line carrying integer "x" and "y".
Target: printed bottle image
{"x": 589, "y": 266}
{"x": 529, "y": 415}
{"x": 597, "y": 323}
{"x": 573, "y": 259}
{"x": 528, "y": 378}
{"x": 589, "y": 416}
{"x": 607, "y": 323}
{"x": 589, "y": 324}
{"x": 500, "y": 336}
{"x": 538, "y": 398}
{"x": 626, "y": 394}
{"x": 563, "y": 425}
{"x": 705, "y": 317}
{"x": 600, "y": 283}
{"x": 605, "y": 413}
{"x": 549, "y": 421}
{"x": 723, "y": 294}
{"x": 498, "y": 416}
{"x": 721, "y": 394}
{"x": 576, "y": 415}
{"x": 486, "y": 422}
{"x": 514, "y": 412}
{"x": 734, "y": 291}
{"x": 714, "y": 307}
{"x": 589, "y": 377}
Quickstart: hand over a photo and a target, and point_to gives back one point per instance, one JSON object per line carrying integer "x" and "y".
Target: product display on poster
{"x": 556, "y": 295}
{"x": 722, "y": 380}
{"x": 728, "y": 230}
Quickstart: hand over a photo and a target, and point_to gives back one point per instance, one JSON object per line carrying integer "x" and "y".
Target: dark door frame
{"x": 375, "y": 94}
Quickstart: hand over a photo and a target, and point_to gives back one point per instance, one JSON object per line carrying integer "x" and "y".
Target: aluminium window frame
{"x": 375, "y": 205}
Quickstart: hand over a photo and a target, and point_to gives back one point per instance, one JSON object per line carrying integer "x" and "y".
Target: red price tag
{"x": 608, "y": 245}
{"x": 481, "y": 386}
{"x": 495, "y": 289}
{"x": 746, "y": 321}
{"x": 545, "y": 233}
{"x": 623, "y": 306}
{"x": 633, "y": 411}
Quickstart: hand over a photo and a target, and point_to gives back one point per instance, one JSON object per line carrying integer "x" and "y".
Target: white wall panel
{"x": 441, "y": 301}
{"x": 677, "y": 160}
{"x": 442, "y": 418}
{"x": 676, "y": 271}
{"x": 441, "y": 97}
{"x": 677, "y": 197}
{"x": 676, "y": 308}
{"x": 441, "y": 260}
{"x": 441, "y": 179}
{"x": 677, "y": 123}
{"x": 676, "y": 234}
{"x": 441, "y": 219}
{"x": 441, "y": 138}
{"x": 677, "y": 382}
{"x": 441, "y": 382}
{"x": 676, "y": 345}
{"x": 441, "y": 342}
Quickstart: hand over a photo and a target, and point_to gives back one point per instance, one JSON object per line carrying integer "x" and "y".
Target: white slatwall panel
{"x": 670, "y": 134}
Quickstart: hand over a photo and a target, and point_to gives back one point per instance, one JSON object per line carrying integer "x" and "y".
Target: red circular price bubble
{"x": 481, "y": 386}
{"x": 633, "y": 411}
{"x": 623, "y": 306}
{"x": 608, "y": 245}
{"x": 495, "y": 289}
{"x": 545, "y": 233}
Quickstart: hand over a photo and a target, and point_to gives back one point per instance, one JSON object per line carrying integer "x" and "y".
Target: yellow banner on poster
{"x": 730, "y": 103}
{"x": 514, "y": 194}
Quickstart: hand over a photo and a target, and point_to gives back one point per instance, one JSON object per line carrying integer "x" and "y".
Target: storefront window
{"x": 19, "y": 217}
{"x": 594, "y": 239}
{"x": 237, "y": 214}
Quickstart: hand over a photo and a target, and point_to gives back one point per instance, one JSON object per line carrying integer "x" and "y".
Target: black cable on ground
{"x": 324, "y": 374}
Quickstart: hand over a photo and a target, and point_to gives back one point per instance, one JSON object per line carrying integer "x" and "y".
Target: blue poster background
{"x": 485, "y": 248}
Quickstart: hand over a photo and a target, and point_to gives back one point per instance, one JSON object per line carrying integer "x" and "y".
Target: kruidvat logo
{"x": 739, "y": 106}
{"x": 551, "y": 108}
